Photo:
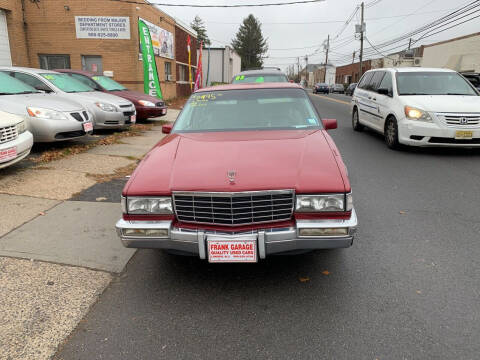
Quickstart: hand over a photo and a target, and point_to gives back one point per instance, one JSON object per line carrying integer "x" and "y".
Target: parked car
{"x": 146, "y": 106}
{"x": 321, "y": 88}
{"x": 350, "y": 89}
{"x": 15, "y": 140}
{"x": 260, "y": 76}
{"x": 418, "y": 107}
{"x": 276, "y": 185}
{"x": 48, "y": 117}
{"x": 337, "y": 88}
{"x": 474, "y": 79}
{"x": 109, "y": 111}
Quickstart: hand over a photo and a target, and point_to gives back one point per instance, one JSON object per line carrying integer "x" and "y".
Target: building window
{"x": 168, "y": 70}
{"x": 183, "y": 73}
{"x": 50, "y": 62}
{"x": 92, "y": 63}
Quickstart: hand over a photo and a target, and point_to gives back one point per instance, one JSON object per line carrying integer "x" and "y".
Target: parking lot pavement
{"x": 407, "y": 289}
{"x": 42, "y": 302}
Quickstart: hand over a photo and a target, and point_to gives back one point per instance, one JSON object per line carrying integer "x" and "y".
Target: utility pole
{"x": 409, "y": 43}
{"x": 353, "y": 70}
{"x": 306, "y": 70}
{"x": 360, "y": 73}
{"x": 298, "y": 68}
{"x": 326, "y": 59}
{"x": 353, "y": 57}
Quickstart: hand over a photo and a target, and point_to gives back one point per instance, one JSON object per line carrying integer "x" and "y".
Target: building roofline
{"x": 454, "y": 39}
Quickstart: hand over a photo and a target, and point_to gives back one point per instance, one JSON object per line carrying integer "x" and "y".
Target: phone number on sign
{"x": 108, "y": 35}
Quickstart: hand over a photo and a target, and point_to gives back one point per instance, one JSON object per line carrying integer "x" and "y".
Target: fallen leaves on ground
{"x": 118, "y": 173}
{"x": 326, "y": 272}
{"x": 402, "y": 212}
{"x": 304, "y": 279}
{"x": 101, "y": 198}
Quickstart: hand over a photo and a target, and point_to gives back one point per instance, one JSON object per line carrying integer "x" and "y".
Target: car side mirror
{"x": 44, "y": 88}
{"x": 384, "y": 91}
{"x": 167, "y": 128}
{"x": 329, "y": 124}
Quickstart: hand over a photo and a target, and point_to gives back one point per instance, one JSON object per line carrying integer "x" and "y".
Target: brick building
{"x": 62, "y": 34}
{"x": 347, "y": 74}
{"x": 181, "y": 56}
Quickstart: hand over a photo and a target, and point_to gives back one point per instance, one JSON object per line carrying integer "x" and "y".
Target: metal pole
{"x": 326, "y": 59}
{"x": 306, "y": 70}
{"x": 208, "y": 65}
{"x": 298, "y": 69}
{"x": 361, "y": 45}
{"x": 409, "y": 43}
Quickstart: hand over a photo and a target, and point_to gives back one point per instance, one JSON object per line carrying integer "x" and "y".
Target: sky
{"x": 287, "y": 39}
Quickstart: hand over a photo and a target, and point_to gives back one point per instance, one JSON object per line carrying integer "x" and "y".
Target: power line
{"x": 224, "y": 6}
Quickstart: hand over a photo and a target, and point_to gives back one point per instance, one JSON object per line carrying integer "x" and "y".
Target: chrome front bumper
{"x": 270, "y": 241}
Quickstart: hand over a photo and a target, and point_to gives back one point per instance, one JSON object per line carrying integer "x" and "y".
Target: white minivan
{"x": 418, "y": 107}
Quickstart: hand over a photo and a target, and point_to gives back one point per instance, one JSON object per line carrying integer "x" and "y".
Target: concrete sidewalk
{"x": 42, "y": 302}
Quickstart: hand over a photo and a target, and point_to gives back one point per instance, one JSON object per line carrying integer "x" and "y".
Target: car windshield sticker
{"x": 202, "y": 100}
{"x": 312, "y": 121}
{"x": 260, "y": 79}
{"x": 95, "y": 77}
{"x": 49, "y": 77}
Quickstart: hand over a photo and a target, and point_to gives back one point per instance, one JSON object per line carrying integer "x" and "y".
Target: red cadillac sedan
{"x": 147, "y": 106}
{"x": 245, "y": 172}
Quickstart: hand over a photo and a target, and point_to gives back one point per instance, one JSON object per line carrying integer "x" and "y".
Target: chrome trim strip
{"x": 261, "y": 244}
{"x": 201, "y": 245}
{"x": 231, "y": 194}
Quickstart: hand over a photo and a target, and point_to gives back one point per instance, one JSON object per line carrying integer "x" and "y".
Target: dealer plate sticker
{"x": 462, "y": 134}
{"x": 8, "y": 154}
{"x": 133, "y": 119}
{"x": 232, "y": 251}
{"x": 88, "y": 126}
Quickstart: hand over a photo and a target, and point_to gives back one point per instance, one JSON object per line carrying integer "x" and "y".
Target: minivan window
{"x": 365, "y": 80}
{"x": 11, "y": 86}
{"x": 376, "y": 80}
{"x": 387, "y": 83}
{"x": 433, "y": 83}
{"x": 66, "y": 83}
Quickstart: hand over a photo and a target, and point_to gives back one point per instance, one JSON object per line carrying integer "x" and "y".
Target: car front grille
{"x": 125, "y": 106}
{"x": 80, "y": 116}
{"x": 8, "y": 133}
{"x": 129, "y": 113}
{"x": 232, "y": 209}
{"x": 461, "y": 120}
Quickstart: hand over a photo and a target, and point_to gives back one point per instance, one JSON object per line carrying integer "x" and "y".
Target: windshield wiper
{"x": 459, "y": 94}
{"x": 4, "y": 93}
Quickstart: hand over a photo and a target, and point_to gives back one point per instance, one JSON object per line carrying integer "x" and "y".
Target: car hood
{"x": 444, "y": 103}
{"x": 263, "y": 160}
{"x": 17, "y": 104}
{"x": 96, "y": 96}
{"x": 9, "y": 119}
{"x": 134, "y": 96}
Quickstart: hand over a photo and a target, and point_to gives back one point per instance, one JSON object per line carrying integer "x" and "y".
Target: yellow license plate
{"x": 462, "y": 134}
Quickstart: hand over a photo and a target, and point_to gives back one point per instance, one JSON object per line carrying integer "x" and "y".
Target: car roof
{"x": 81, "y": 72}
{"x": 413, "y": 69}
{"x": 250, "y": 86}
{"x": 26, "y": 69}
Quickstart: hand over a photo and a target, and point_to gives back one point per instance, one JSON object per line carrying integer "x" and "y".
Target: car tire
{"x": 391, "y": 133}
{"x": 356, "y": 121}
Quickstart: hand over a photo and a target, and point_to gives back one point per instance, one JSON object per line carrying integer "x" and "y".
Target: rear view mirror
{"x": 329, "y": 124}
{"x": 384, "y": 91}
{"x": 167, "y": 128}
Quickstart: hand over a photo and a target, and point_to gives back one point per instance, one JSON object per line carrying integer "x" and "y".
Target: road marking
{"x": 331, "y": 99}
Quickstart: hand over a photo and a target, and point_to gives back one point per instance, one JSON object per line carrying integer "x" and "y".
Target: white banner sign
{"x": 102, "y": 27}
{"x": 162, "y": 40}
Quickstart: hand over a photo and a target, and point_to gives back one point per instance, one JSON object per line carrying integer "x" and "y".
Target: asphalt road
{"x": 409, "y": 288}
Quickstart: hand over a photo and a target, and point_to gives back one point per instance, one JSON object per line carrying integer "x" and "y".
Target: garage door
{"x": 5, "y": 58}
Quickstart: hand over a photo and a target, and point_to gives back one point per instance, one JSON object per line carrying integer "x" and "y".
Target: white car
{"x": 418, "y": 107}
{"x": 15, "y": 141}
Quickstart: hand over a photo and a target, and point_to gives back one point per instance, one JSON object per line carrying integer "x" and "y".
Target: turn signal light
{"x": 154, "y": 233}
{"x": 323, "y": 232}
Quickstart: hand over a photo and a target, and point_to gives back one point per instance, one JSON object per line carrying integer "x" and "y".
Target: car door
{"x": 375, "y": 100}
{"x": 362, "y": 99}
{"x": 385, "y": 102}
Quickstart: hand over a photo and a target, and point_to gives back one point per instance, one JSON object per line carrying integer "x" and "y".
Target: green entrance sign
{"x": 151, "y": 84}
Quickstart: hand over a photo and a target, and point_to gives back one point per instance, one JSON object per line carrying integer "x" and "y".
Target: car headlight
{"x": 321, "y": 203}
{"x": 106, "y": 107}
{"x": 146, "y": 103}
{"x": 21, "y": 127}
{"x": 149, "y": 205}
{"x": 417, "y": 114}
{"x": 45, "y": 113}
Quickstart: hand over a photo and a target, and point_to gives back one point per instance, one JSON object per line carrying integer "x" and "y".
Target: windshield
{"x": 243, "y": 110}
{"x": 433, "y": 83}
{"x": 66, "y": 83}
{"x": 259, "y": 78}
{"x": 108, "y": 83}
{"x": 10, "y": 86}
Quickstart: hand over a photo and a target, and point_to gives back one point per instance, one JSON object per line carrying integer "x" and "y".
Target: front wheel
{"x": 356, "y": 121}
{"x": 391, "y": 133}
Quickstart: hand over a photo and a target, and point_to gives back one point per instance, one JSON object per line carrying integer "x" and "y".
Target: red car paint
{"x": 304, "y": 160}
{"x": 143, "y": 112}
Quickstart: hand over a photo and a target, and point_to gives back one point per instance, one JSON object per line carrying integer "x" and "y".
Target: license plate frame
{"x": 88, "y": 127}
{"x": 235, "y": 249}
{"x": 8, "y": 154}
{"x": 464, "y": 134}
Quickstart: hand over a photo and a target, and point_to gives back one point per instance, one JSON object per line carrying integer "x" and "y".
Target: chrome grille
{"x": 237, "y": 208}
{"x": 77, "y": 116}
{"x": 8, "y": 133}
{"x": 468, "y": 120}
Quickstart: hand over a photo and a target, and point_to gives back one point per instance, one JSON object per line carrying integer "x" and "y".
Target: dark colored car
{"x": 350, "y": 89}
{"x": 147, "y": 106}
{"x": 474, "y": 79}
{"x": 337, "y": 88}
{"x": 321, "y": 88}
{"x": 265, "y": 75}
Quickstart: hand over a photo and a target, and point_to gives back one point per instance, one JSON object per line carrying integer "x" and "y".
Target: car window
{"x": 249, "y": 109}
{"x": 387, "y": 83}
{"x": 433, "y": 83}
{"x": 66, "y": 83}
{"x": 108, "y": 83}
{"x": 28, "y": 79}
{"x": 259, "y": 78}
{"x": 376, "y": 80}
{"x": 365, "y": 80}
{"x": 85, "y": 79}
{"x": 10, "y": 85}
